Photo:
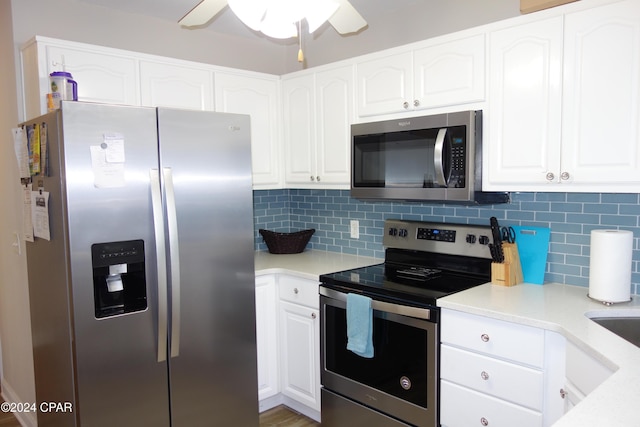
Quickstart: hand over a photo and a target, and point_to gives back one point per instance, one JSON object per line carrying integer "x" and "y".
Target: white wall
{"x": 15, "y": 324}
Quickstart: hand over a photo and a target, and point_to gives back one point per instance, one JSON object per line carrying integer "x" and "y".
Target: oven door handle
{"x": 387, "y": 307}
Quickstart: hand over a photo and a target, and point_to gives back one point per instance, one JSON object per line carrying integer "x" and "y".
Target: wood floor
{"x": 282, "y": 416}
{"x": 7, "y": 419}
{"x": 276, "y": 417}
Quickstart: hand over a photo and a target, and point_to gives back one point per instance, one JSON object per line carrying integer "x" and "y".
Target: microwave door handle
{"x": 437, "y": 157}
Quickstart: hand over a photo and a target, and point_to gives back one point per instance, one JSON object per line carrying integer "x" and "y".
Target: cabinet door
{"x": 300, "y": 353}
{"x": 170, "y": 85}
{"x": 449, "y": 73}
{"x": 266, "y": 336}
{"x": 601, "y": 111}
{"x": 385, "y": 85}
{"x": 523, "y": 138}
{"x": 101, "y": 76}
{"x": 334, "y": 115}
{"x": 257, "y": 97}
{"x": 299, "y": 129}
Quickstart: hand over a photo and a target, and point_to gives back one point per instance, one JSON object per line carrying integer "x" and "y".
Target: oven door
{"x": 401, "y": 379}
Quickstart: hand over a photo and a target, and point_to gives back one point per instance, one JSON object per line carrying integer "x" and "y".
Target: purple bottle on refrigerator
{"x": 63, "y": 87}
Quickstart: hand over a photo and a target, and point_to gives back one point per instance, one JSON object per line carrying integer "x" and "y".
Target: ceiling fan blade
{"x": 347, "y": 20}
{"x": 202, "y": 13}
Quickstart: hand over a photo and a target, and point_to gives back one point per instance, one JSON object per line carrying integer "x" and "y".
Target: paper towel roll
{"x": 610, "y": 265}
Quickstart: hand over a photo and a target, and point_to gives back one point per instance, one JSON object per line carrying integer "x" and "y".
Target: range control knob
{"x": 403, "y": 232}
{"x": 471, "y": 238}
{"x": 483, "y": 240}
{"x": 393, "y": 232}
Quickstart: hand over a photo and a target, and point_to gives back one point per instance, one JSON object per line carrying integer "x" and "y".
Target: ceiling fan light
{"x": 276, "y": 26}
{"x": 318, "y": 12}
{"x": 250, "y": 12}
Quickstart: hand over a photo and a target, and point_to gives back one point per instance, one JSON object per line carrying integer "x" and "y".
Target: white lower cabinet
{"x": 300, "y": 340}
{"x": 300, "y": 353}
{"x": 267, "y": 336}
{"x": 497, "y": 373}
{"x": 584, "y": 374}
{"x": 288, "y": 342}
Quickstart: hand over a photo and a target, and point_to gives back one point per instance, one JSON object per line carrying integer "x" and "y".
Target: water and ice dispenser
{"x": 119, "y": 282}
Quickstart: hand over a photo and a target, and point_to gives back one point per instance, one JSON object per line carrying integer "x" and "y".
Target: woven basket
{"x": 286, "y": 243}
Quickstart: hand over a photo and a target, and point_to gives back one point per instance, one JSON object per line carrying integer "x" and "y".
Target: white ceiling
{"x": 226, "y": 22}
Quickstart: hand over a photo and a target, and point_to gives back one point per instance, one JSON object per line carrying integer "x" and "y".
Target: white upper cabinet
{"x": 318, "y": 111}
{"x": 525, "y": 93}
{"x": 385, "y": 84}
{"x": 299, "y": 129}
{"x": 450, "y": 73}
{"x": 438, "y": 74}
{"x": 258, "y": 97}
{"x": 176, "y": 85}
{"x": 334, "y": 112}
{"x": 564, "y": 103}
{"x": 103, "y": 75}
{"x": 601, "y": 92}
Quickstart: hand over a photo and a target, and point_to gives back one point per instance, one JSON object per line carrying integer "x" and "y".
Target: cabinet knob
{"x": 484, "y": 337}
{"x": 295, "y": 291}
{"x": 550, "y": 176}
{"x": 565, "y": 176}
{"x": 484, "y": 375}
{"x": 563, "y": 393}
{"x": 313, "y": 315}
{"x": 405, "y": 104}
{"x": 312, "y": 178}
{"x": 416, "y": 103}
{"x": 484, "y": 421}
{"x": 318, "y": 178}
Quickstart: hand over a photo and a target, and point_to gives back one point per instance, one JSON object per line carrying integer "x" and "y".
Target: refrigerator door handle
{"x": 174, "y": 252}
{"x": 161, "y": 262}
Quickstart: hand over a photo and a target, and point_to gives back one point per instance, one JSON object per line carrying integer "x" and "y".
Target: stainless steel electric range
{"x": 398, "y": 386}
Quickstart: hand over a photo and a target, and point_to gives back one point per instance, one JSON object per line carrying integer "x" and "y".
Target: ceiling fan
{"x": 280, "y": 18}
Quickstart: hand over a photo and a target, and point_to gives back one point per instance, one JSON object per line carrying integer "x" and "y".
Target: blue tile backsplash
{"x": 570, "y": 216}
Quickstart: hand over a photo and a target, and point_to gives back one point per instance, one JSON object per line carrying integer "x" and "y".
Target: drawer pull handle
{"x": 295, "y": 291}
{"x": 484, "y": 375}
{"x": 484, "y": 421}
{"x": 484, "y": 337}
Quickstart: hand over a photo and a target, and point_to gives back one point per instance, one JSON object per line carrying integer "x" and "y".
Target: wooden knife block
{"x": 509, "y": 272}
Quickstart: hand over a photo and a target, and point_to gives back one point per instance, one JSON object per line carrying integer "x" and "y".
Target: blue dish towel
{"x": 359, "y": 325}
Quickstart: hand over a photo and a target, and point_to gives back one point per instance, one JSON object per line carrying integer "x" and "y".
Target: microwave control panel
{"x": 458, "y": 162}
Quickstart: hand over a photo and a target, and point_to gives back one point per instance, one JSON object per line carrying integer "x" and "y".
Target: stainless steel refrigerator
{"x": 142, "y": 301}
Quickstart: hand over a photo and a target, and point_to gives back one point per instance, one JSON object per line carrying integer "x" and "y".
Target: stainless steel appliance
{"x": 142, "y": 302}
{"x": 398, "y": 386}
{"x": 435, "y": 158}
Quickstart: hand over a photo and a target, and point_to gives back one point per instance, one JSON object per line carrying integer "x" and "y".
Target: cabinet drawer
{"x": 515, "y": 383}
{"x": 506, "y": 340}
{"x": 299, "y": 291}
{"x": 462, "y": 407}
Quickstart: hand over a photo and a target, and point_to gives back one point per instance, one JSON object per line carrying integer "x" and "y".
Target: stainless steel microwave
{"x": 430, "y": 158}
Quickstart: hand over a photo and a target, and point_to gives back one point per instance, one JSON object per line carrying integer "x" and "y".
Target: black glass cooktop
{"x": 394, "y": 284}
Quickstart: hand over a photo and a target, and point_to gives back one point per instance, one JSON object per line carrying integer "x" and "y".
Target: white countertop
{"x": 309, "y": 264}
{"x": 562, "y": 308}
